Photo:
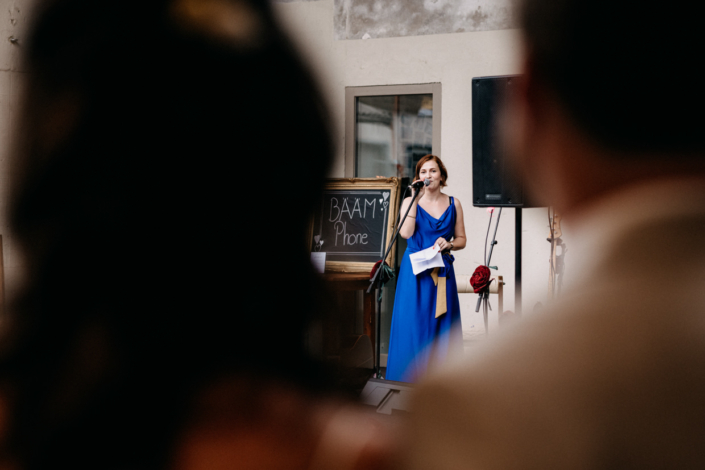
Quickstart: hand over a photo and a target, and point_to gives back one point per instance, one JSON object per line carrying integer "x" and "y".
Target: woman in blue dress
{"x": 426, "y": 318}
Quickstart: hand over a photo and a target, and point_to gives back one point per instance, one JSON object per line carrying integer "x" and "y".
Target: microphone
{"x": 418, "y": 184}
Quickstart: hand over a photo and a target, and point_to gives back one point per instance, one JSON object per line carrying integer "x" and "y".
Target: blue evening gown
{"x": 417, "y": 337}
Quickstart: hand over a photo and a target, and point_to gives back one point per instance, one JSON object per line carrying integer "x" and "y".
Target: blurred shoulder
{"x": 559, "y": 379}
{"x": 306, "y": 433}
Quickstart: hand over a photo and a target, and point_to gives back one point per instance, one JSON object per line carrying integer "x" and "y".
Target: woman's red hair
{"x": 441, "y": 166}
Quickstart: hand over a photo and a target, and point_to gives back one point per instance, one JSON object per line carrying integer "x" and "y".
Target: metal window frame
{"x": 383, "y": 90}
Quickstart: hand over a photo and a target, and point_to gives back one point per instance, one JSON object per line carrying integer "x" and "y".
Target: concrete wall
{"x": 453, "y": 60}
{"x": 364, "y": 19}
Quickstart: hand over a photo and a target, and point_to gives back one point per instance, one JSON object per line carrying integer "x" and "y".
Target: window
{"x": 389, "y": 128}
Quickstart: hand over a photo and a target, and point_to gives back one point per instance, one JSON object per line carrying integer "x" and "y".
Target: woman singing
{"x": 426, "y": 318}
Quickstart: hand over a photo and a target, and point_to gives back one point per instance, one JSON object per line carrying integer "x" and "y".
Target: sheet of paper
{"x": 318, "y": 260}
{"x": 426, "y": 259}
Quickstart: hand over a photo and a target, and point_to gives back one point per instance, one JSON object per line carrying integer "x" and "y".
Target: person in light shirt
{"x": 607, "y": 126}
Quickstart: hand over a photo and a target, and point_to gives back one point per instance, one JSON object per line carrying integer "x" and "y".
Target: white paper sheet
{"x": 319, "y": 261}
{"x": 426, "y": 259}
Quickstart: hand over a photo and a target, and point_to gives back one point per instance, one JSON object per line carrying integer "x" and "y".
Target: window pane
{"x": 392, "y": 134}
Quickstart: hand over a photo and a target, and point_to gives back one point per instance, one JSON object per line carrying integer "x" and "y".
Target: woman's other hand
{"x": 443, "y": 244}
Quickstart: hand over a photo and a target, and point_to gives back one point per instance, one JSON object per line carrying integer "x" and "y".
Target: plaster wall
{"x": 453, "y": 60}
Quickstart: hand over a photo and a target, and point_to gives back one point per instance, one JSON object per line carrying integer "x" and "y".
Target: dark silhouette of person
{"x": 169, "y": 155}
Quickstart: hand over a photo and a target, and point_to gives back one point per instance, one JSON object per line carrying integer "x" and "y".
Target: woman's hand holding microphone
{"x": 419, "y": 186}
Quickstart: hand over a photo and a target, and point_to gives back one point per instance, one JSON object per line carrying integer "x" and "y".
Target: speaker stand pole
{"x": 517, "y": 260}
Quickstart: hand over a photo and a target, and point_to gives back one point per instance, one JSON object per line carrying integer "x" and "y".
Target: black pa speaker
{"x": 493, "y": 181}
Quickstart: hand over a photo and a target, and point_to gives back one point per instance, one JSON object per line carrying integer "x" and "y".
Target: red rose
{"x": 480, "y": 278}
{"x": 375, "y": 268}
{"x": 387, "y": 274}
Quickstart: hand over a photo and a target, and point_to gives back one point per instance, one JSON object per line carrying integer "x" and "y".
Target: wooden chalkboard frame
{"x": 391, "y": 184}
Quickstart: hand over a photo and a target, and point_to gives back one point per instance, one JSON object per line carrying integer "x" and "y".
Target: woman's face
{"x": 431, "y": 171}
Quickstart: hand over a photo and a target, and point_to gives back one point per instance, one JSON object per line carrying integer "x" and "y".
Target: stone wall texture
{"x": 365, "y": 19}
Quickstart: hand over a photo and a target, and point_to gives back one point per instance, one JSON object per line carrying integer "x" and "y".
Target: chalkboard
{"x": 355, "y": 222}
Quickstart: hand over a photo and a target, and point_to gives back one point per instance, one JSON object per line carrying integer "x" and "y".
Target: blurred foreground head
{"x": 152, "y": 199}
{"x": 611, "y": 96}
